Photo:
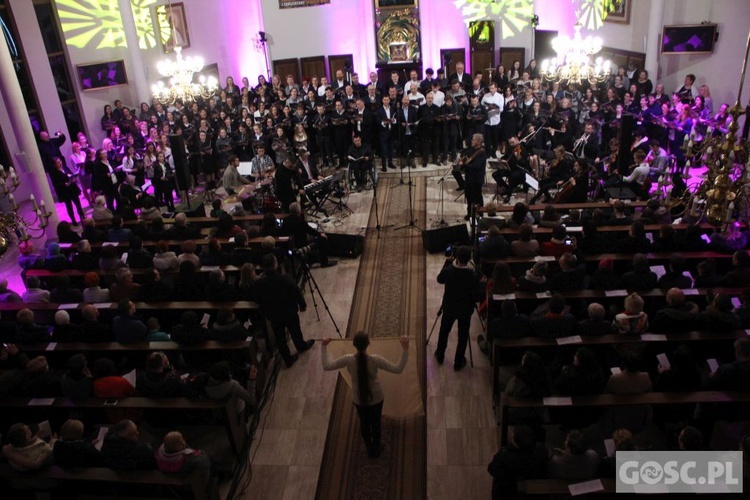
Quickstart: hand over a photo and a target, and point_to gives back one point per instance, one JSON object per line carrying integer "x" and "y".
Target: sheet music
{"x": 533, "y": 183}
{"x": 615, "y": 293}
{"x": 663, "y": 361}
{"x": 557, "y": 401}
{"x": 653, "y": 337}
{"x": 575, "y": 339}
{"x": 713, "y": 365}
{"x": 245, "y": 168}
{"x": 130, "y": 377}
{"x": 587, "y": 487}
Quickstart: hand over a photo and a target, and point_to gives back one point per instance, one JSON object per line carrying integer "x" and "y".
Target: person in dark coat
{"x": 49, "y": 148}
{"x": 126, "y": 327}
{"x": 523, "y": 458}
{"x": 280, "y": 299}
{"x": 475, "y": 168}
{"x": 66, "y": 189}
{"x": 158, "y": 381}
{"x": 72, "y": 450}
{"x": 122, "y": 449}
{"x": 459, "y": 299}
{"x": 189, "y": 331}
{"x": 641, "y": 277}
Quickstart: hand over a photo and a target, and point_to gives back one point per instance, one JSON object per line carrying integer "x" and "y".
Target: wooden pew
{"x": 577, "y": 228}
{"x": 109, "y": 476}
{"x": 558, "y": 486}
{"x": 225, "y": 242}
{"x": 210, "y": 345}
{"x": 236, "y": 432}
{"x": 141, "y": 306}
{"x": 74, "y": 273}
{"x": 500, "y": 345}
{"x": 212, "y": 221}
{"x": 567, "y": 206}
{"x": 618, "y": 256}
{"x": 603, "y": 400}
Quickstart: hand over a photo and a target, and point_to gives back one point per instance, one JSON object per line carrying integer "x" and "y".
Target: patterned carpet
{"x": 389, "y": 298}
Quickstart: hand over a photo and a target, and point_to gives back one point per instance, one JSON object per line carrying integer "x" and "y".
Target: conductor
{"x": 461, "y": 286}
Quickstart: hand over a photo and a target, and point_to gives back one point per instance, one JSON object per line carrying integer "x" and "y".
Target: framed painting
{"x": 621, "y": 14}
{"x": 102, "y": 75}
{"x": 172, "y": 27}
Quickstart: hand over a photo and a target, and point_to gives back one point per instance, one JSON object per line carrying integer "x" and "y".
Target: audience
{"x": 123, "y": 450}
{"x": 126, "y": 327}
{"x": 26, "y": 452}
{"x": 576, "y": 461}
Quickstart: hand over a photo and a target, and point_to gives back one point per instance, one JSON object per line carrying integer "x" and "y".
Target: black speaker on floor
{"x": 345, "y": 245}
{"x": 436, "y": 240}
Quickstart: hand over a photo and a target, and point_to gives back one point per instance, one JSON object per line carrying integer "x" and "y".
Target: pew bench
{"x": 535, "y": 487}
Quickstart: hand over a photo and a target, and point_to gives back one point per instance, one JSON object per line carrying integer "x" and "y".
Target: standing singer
{"x": 475, "y": 168}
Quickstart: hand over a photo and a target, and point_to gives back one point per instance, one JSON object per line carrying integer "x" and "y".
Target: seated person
{"x": 596, "y": 324}
{"x": 93, "y": 293}
{"x": 743, "y": 312}
{"x": 552, "y": 320}
{"x": 629, "y": 381}
{"x": 55, "y": 261}
{"x": 232, "y": 180}
{"x": 158, "y": 380}
{"x": 25, "y": 451}
{"x": 572, "y": 275}
{"x": 623, "y": 441}
{"x": 707, "y": 275}
{"x": 221, "y": 385}
{"x": 124, "y": 288}
{"x": 619, "y": 217}
{"x": 733, "y": 376}
{"x": 72, "y": 450}
{"x": 27, "y": 331}
{"x": 34, "y": 293}
{"x": 298, "y": 229}
{"x": 675, "y": 277}
{"x": 510, "y": 325}
{"x": 181, "y": 230}
{"x": 109, "y": 260}
{"x": 525, "y": 245}
{"x": 217, "y": 288}
{"x": 77, "y": 381}
{"x": 123, "y": 450}
{"x": 38, "y": 380}
{"x": 8, "y": 296}
{"x": 718, "y": 316}
{"x": 560, "y": 242}
{"x": 731, "y": 240}
{"x": 188, "y": 253}
{"x": 739, "y": 276}
{"x": 149, "y": 210}
{"x": 550, "y": 217}
{"x": 227, "y": 328}
{"x": 633, "y": 320}
{"x": 535, "y": 279}
{"x": 241, "y": 253}
{"x": 490, "y": 218}
{"x": 576, "y": 462}
{"x": 116, "y": 232}
{"x": 665, "y": 241}
{"x": 138, "y": 257}
{"x": 582, "y": 378}
{"x": 126, "y": 327}
{"x": 605, "y": 277}
{"x": 679, "y": 316}
{"x": 64, "y": 330}
{"x": 155, "y": 332}
{"x": 523, "y": 458}
{"x": 360, "y": 162}
{"x": 174, "y": 456}
{"x": 641, "y": 277}
{"x": 592, "y": 241}
{"x": 92, "y": 330}
{"x": 64, "y": 293}
{"x": 107, "y": 384}
{"x": 494, "y": 246}
{"x": 635, "y": 242}
{"x": 189, "y": 331}
{"x": 91, "y": 232}
{"x": 164, "y": 259}
{"x": 83, "y": 259}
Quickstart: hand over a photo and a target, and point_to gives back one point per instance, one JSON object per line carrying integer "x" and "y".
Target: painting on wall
{"x": 102, "y": 75}
{"x": 620, "y": 14}
{"x": 395, "y": 3}
{"x": 172, "y": 27}
{"x": 397, "y": 35}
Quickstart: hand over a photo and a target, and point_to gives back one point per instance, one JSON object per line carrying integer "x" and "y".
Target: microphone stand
{"x": 377, "y": 227}
{"x": 401, "y": 138}
{"x": 412, "y": 221}
{"x": 441, "y": 211}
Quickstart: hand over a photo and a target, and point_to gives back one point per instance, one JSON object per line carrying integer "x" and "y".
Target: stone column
{"x": 655, "y": 24}
{"x": 137, "y": 76}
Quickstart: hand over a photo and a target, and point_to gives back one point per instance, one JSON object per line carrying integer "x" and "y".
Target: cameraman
{"x": 298, "y": 229}
{"x": 460, "y": 295}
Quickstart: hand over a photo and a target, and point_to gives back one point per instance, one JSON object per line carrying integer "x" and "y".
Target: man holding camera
{"x": 461, "y": 287}
{"x": 298, "y": 229}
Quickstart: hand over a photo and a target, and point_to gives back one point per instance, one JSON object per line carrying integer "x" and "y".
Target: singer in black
{"x": 459, "y": 297}
{"x": 475, "y": 167}
{"x": 360, "y": 162}
{"x": 288, "y": 184}
{"x": 66, "y": 188}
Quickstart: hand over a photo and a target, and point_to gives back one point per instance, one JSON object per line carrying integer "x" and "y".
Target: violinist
{"x": 516, "y": 163}
{"x": 474, "y": 166}
{"x": 557, "y": 173}
{"x": 657, "y": 158}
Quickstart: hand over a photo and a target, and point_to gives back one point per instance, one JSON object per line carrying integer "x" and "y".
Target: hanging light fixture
{"x": 13, "y": 226}
{"x": 180, "y": 71}
{"x": 574, "y": 62}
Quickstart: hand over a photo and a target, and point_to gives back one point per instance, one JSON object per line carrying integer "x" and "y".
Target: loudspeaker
{"x": 624, "y": 157}
{"x": 436, "y": 240}
{"x": 345, "y": 245}
{"x": 181, "y": 166}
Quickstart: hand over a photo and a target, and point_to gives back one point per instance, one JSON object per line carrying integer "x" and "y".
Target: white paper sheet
{"x": 615, "y": 370}
{"x": 575, "y": 339}
{"x": 659, "y": 270}
{"x": 557, "y": 401}
{"x": 500, "y": 296}
{"x": 615, "y": 293}
{"x": 713, "y": 365}
{"x": 653, "y": 337}
{"x": 587, "y": 487}
{"x": 130, "y": 377}
{"x": 44, "y": 429}
{"x": 609, "y": 445}
{"x": 663, "y": 361}
{"x": 41, "y": 401}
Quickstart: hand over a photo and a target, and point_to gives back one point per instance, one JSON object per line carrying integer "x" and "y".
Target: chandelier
{"x": 573, "y": 63}
{"x": 13, "y": 226}
{"x": 180, "y": 71}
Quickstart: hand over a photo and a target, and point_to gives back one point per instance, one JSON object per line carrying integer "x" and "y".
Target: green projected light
{"x": 98, "y": 24}
{"x": 593, "y": 12}
{"x": 513, "y": 15}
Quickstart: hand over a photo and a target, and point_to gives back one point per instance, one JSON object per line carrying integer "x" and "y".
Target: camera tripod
{"x": 432, "y": 330}
{"x": 310, "y": 279}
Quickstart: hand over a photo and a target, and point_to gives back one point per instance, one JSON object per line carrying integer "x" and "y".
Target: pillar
{"x": 32, "y": 173}
{"x": 138, "y": 71}
{"x": 655, "y": 24}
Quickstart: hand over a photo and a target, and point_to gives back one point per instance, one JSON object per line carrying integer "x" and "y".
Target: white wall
{"x": 720, "y": 70}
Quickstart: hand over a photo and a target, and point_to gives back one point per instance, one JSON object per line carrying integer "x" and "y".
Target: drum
{"x": 271, "y": 203}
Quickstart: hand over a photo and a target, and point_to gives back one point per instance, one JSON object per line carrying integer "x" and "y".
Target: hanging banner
{"x": 290, "y": 4}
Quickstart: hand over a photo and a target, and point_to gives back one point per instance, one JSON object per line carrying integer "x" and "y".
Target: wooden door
{"x": 482, "y": 46}
{"x": 340, "y": 62}
{"x": 510, "y": 54}
{"x": 313, "y": 66}
{"x": 284, "y": 67}
{"x": 453, "y": 56}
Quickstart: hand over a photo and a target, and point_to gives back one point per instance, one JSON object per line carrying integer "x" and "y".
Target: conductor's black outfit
{"x": 280, "y": 299}
{"x": 461, "y": 285}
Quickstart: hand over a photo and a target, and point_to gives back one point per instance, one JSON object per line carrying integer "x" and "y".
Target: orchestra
{"x": 565, "y": 137}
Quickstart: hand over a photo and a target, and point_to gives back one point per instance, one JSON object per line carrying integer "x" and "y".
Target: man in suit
{"x": 342, "y": 132}
{"x": 340, "y": 82}
{"x": 380, "y": 86}
{"x": 407, "y": 122}
{"x": 459, "y": 298}
{"x": 360, "y": 162}
{"x": 322, "y": 126}
{"x": 386, "y": 121}
{"x": 280, "y": 299}
{"x": 463, "y": 79}
{"x": 428, "y": 129}
{"x": 363, "y": 120}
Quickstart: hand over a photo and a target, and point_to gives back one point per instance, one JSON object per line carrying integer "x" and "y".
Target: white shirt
{"x": 639, "y": 175}
{"x": 438, "y": 98}
{"x": 322, "y": 90}
{"x": 493, "y": 115}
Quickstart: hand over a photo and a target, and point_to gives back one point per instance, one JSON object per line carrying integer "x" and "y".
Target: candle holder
{"x": 15, "y": 228}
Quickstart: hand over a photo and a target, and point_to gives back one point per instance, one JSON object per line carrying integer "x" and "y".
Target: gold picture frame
{"x": 171, "y": 26}
{"x": 621, "y": 14}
